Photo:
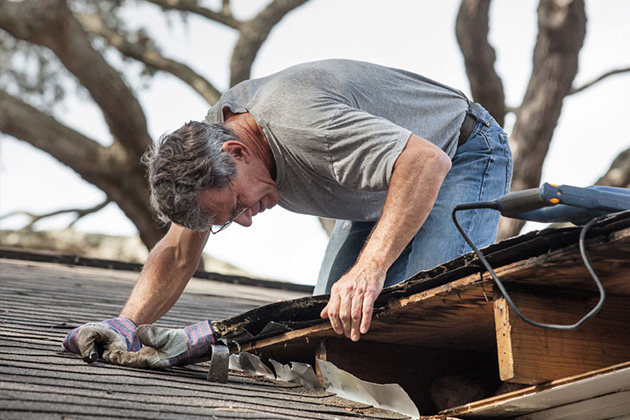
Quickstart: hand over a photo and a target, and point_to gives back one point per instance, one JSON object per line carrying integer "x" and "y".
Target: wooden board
{"x": 530, "y": 355}
{"x": 564, "y": 268}
{"x": 457, "y": 316}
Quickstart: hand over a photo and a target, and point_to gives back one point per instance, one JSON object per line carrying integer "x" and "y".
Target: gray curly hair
{"x": 181, "y": 165}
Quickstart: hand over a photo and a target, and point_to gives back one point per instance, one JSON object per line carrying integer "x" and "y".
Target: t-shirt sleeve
{"x": 363, "y": 148}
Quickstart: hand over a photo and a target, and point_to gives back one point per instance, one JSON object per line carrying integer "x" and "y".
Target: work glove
{"x": 116, "y": 334}
{"x": 165, "y": 347}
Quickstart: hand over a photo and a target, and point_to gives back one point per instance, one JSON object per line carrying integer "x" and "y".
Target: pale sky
{"x": 416, "y": 35}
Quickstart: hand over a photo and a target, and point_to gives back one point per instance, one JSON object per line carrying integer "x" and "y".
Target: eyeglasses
{"x": 216, "y": 229}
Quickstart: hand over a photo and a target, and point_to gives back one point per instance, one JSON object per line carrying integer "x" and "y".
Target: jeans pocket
{"x": 478, "y": 144}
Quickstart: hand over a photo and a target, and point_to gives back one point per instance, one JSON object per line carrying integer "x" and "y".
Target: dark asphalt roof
{"x": 41, "y": 302}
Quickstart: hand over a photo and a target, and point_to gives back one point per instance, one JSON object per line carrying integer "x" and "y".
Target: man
{"x": 385, "y": 152}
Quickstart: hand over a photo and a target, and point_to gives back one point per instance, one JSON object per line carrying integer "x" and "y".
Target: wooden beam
{"x": 532, "y": 355}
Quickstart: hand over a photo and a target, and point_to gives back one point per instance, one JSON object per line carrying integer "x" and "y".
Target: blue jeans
{"x": 481, "y": 171}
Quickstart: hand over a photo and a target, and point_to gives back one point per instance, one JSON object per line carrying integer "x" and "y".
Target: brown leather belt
{"x": 470, "y": 120}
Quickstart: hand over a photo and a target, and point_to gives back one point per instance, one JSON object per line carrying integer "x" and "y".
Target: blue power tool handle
{"x": 565, "y": 203}
{"x": 596, "y": 197}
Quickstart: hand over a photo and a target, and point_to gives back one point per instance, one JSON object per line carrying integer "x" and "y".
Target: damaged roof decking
{"x": 450, "y": 306}
{"x": 40, "y": 303}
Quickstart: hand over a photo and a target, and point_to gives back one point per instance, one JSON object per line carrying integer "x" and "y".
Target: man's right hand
{"x": 351, "y": 302}
{"x": 116, "y": 334}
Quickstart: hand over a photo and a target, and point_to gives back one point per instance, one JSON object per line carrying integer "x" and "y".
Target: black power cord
{"x": 602, "y": 294}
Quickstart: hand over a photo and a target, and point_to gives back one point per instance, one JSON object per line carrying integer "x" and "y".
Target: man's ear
{"x": 238, "y": 150}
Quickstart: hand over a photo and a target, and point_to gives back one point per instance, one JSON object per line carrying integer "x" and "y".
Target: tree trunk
{"x": 472, "y": 35}
{"x": 562, "y": 28}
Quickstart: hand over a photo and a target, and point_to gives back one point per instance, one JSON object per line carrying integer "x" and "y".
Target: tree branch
{"x": 50, "y": 23}
{"x": 253, "y": 33}
{"x": 226, "y": 9}
{"x": 472, "y": 30}
{"x": 618, "y": 174}
{"x": 150, "y": 56}
{"x": 37, "y": 217}
{"x": 70, "y": 147}
{"x": 224, "y": 17}
{"x": 107, "y": 168}
{"x": 599, "y": 79}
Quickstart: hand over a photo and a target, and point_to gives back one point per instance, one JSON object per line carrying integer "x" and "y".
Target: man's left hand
{"x": 165, "y": 347}
{"x": 352, "y": 301}
{"x": 116, "y": 334}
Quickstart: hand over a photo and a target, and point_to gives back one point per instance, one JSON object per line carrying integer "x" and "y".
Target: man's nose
{"x": 245, "y": 219}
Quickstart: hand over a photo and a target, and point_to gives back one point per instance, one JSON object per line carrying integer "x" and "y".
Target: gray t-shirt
{"x": 336, "y": 128}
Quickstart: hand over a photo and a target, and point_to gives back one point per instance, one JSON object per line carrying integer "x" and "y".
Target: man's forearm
{"x": 158, "y": 288}
{"x": 166, "y": 273}
{"x": 415, "y": 183}
{"x": 414, "y": 187}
